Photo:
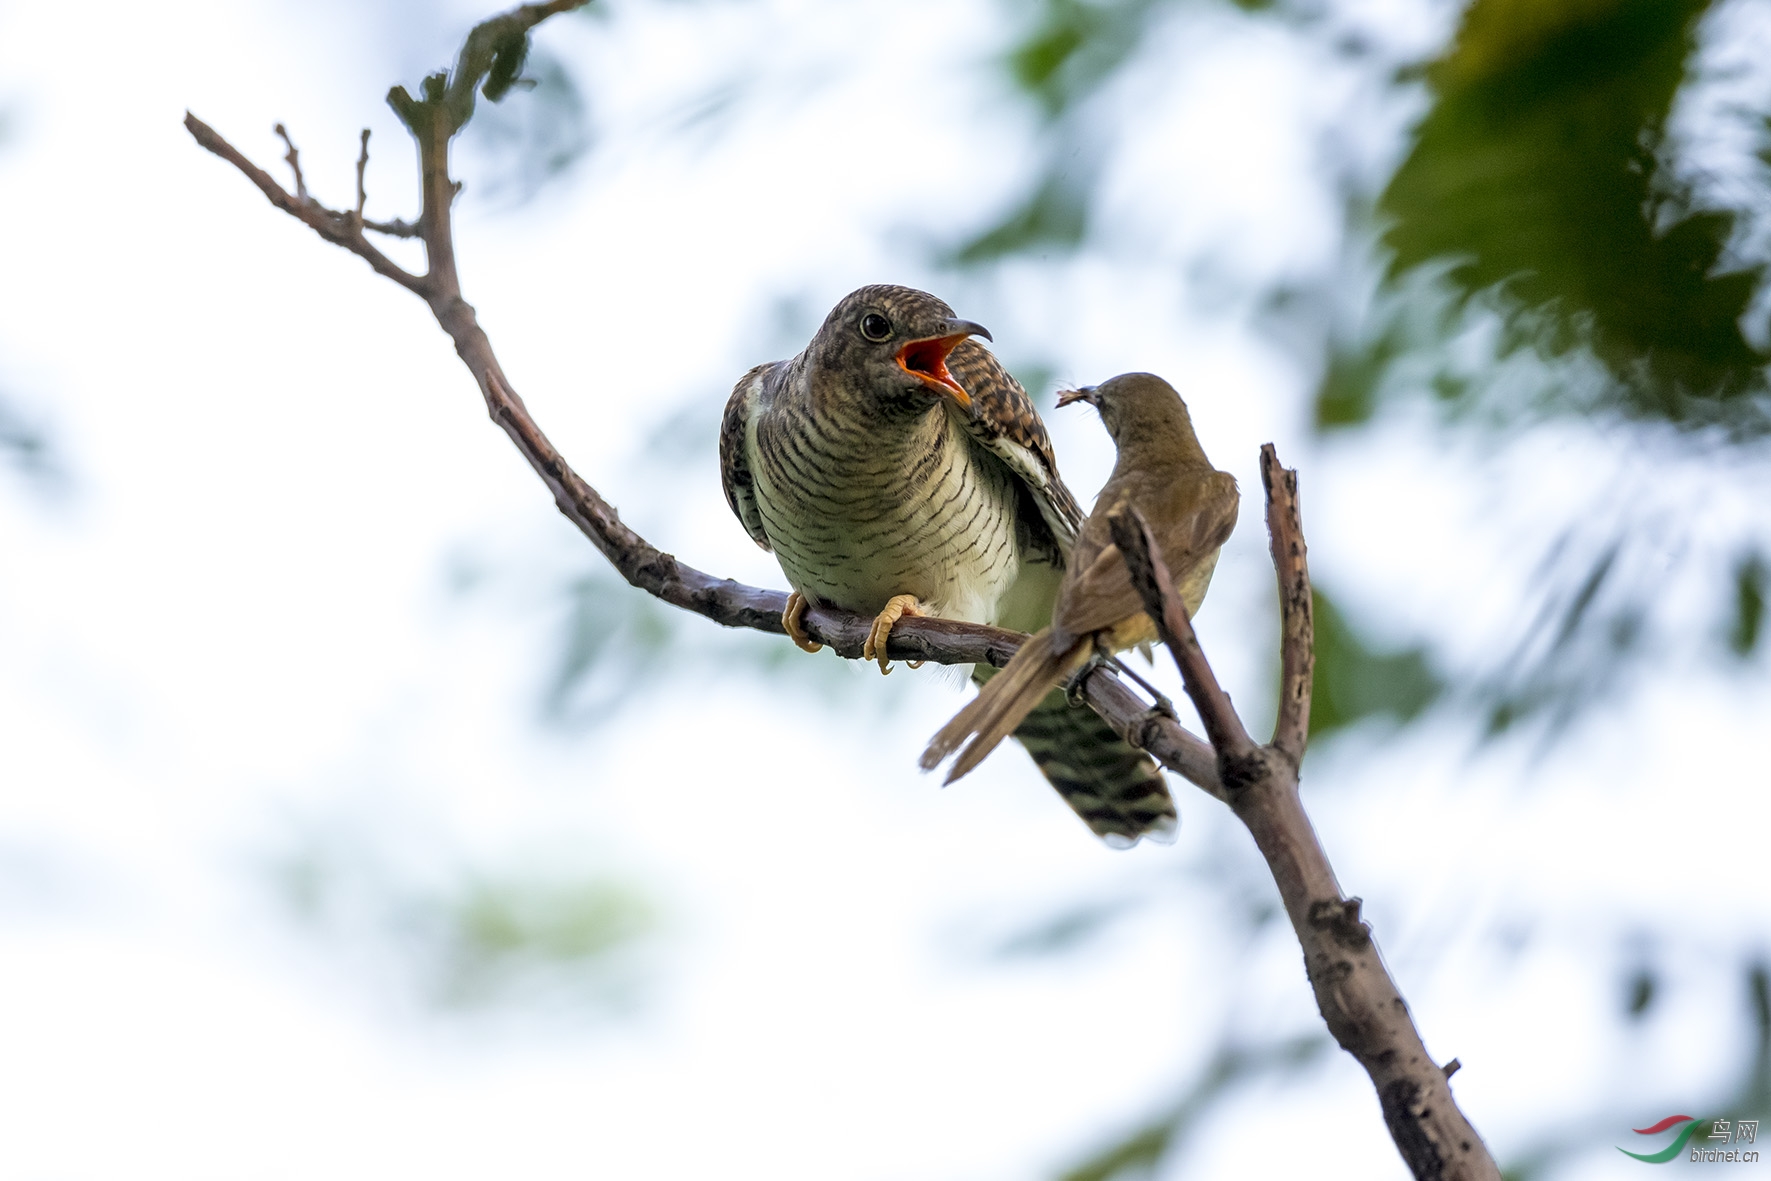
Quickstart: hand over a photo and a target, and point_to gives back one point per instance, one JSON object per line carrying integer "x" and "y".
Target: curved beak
{"x": 927, "y": 358}
{"x": 1084, "y": 394}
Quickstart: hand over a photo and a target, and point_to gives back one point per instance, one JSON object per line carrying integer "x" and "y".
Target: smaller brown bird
{"x": 1191, "y": 508}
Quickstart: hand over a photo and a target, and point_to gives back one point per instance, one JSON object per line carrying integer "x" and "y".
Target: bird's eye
{"x": 875, "y": 326}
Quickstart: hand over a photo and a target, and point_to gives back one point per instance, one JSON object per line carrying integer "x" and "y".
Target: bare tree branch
{"x": 1297, "y": 659}
{"x": 294, "y": 161}
{"x": 393, "y": 228}
{"x": 362, "y": 171}
{"x": 333, "y": 226}
{"x": 433, "y": 120}
{"x": 1354, "y": 992}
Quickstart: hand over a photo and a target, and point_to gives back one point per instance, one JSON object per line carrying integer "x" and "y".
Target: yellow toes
{"x": 790, "y": 619}
{"x": 874, "y": 648}
{"x": 896, "y": 609}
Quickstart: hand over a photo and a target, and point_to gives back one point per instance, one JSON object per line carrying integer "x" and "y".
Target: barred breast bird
{"x": 1191, "y": 508}
{"x": 895, "y": 468}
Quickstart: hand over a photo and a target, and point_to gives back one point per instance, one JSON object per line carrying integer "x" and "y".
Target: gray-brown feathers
{"x": 869, "y": 480}
{"x": 896, "y": 456}
{"x": 1162, "y": 470}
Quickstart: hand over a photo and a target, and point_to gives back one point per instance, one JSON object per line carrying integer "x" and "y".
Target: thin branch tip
{"x": 362, "y": 170}
{"x": 1357, "y": 998}
{"x": 1297, "y": 657}
{"x": 294, "y": 161}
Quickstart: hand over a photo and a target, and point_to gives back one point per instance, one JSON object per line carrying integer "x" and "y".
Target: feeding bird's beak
{"x": 1085, "y": 394}
{"x": 927, "y": 358}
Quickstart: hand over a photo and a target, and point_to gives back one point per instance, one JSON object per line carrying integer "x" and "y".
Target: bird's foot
{"x": 1163, "y": 707}
{"x": 790, "y": 619}
{"x": 1075, "y": 689}
{"x": 875, "y": 646}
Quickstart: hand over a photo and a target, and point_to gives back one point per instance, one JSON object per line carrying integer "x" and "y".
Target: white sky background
{"x": 239, "y": 628}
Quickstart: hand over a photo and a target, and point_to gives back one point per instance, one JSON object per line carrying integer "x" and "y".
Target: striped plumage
{"x": 896, "y": 457}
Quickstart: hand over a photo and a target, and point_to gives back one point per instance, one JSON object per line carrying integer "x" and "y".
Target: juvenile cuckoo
{"x": 894, "y": 467}
{"x": 1191, "y": 508}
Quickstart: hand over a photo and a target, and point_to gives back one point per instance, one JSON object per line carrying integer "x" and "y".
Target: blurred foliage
{"x": 462, "y": 936}
{"x": 1749, "y": 1096}
{"x": 1593, "y": 617}
{"x": 1538, "y": 210}
{"x": 1541, "y": 250}
{"x": 1640, "y": 990}
{"x": 1071, "y": 47}
{"x": 1068, "y": 48}
{"x": 1063, "y": 932}
{"x": 1353, "y": 373}
{"x": 1064, "y": 52}
{"x": 1243, "y": 897}
{"x": 1141, "y": 1151}
{"x": 494, "y": 936}
{"x": 514, "y": 149}
{"x": 1755, "y": 1090}
{"x": 1055, "y": 215}
{"x": 25, "y": 446}
{"x": 1538, "y": 176}
{"x": 1358, "y": 679}
{"x": 1749, "y": 604}
{"x": 617, "y": 642}
{"x": 1543, "y": 254}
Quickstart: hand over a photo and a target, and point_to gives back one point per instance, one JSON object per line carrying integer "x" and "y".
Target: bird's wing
{"x": 734, "y": 453}
{"x": 1191, "y": 520}
{"x": 1004, "y": 422}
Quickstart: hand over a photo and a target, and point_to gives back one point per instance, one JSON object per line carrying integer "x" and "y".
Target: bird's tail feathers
{"x": 1116, "y": 789}
{"x": 1002, "y": 703}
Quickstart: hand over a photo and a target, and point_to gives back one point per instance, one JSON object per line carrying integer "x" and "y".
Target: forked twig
{"x": 445, "y": 102}
{"x": 1354, "y": 992}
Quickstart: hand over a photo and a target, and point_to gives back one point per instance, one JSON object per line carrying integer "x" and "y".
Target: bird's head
{"x": 1134, "y": 406}
{"x": 891, "y": 343}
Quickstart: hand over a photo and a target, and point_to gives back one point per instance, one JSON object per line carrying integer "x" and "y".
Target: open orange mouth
{"x": 927, "y": 359}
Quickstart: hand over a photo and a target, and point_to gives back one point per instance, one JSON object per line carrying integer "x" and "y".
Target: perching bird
{"x": 895, "y": 468}
{"x": 1191, "y": 508}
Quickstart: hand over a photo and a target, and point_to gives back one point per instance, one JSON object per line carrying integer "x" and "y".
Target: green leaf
{"x": 1072, "y": 47}
{"x": 1353, "y": 377}
{"x": 1642, "y": 988}
{"x": 508, "y": 55}
{"x": 498, "y": 922}
{"x": 1534, "y": 179}
{"x": 1054, "y": 216}
{"x": 514, "y": 149}
{"x": 1749, "y": 604}
{"x": 1144, "y": 1148}
{"x": 1139, "y": 1152}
